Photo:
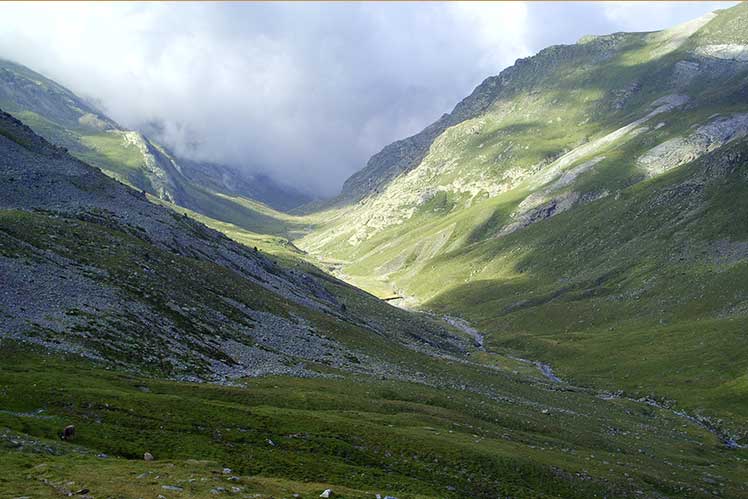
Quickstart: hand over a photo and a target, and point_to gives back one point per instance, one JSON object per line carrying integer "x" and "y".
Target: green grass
{"x": 627, "y": 292}
{"x": 236, "y": 213}
{"x": 357, "y": 436}
{"x": 117, "y": 158}
{"x": 482, "y": 431}
{"x": 63, "y": 119}
{"x": 51, "y": 131}
{"x": 618, "y": 284}
{"x": 728, "y": 27}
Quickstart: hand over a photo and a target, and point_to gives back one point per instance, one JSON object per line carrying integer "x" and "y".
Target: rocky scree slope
{"x": 89, "y": 265}
{"x": 592, "y": 206}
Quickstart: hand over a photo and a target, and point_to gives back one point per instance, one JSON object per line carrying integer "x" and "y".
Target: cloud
{"x": 304, "y": 92}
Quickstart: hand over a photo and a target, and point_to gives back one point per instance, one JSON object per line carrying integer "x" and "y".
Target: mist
{"x": 305, "y": 92}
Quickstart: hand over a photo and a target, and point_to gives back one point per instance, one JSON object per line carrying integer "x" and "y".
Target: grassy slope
{"x": 623, "y": 297}
{"x": 124, "y": 162}
{"x": 159, "y": 279}
{"x": 414, "y": 441}
{"x": 358, "y": 436}
{"x": 483, "y": 432}
{"x": 59, "y": 116}
{"x": 626, "y": 292}
{"x": 239, "y": 211}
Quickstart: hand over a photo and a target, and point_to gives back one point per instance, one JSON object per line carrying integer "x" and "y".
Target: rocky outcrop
{"x": 724, "y": 51}
{"x": 684, "y": 72}
{"x": 553, "y": 207}
{"x": 159, "y": 169}
{"x": 680, "y": 150}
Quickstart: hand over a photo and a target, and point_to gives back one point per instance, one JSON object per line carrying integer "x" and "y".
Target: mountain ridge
{"x": 139, "y": 326}
{"x": 591, "y": 217}
{"x": 53, "y": 192}
{"x": 640, "y": 136}
{"x": 129, "y": 155}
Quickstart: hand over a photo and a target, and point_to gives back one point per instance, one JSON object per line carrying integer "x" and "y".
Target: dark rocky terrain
{"x": 91, "y": 266}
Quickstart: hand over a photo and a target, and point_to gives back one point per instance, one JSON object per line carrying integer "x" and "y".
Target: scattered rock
{"x": 727, "y": 51}
{"x": 68, "y": 433}
{"x": 684, "y": 72}
{"x": 172, "y": 487}
{"x": 326, "y": 493}
{"x": 680, "y": 150}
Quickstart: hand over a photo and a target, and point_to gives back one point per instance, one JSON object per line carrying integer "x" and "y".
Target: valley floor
{"x": 525, "y": 435}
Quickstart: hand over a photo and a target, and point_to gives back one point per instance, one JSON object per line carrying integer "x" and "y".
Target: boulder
{"x": 326, "y": 493}
{"x": 68, "y": 433}
{"x": 148, "y": 456}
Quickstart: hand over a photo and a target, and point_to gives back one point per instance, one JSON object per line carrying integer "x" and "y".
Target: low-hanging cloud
{"x": 302, "y": 92}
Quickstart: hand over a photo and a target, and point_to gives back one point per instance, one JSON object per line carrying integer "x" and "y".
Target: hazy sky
{"x": 303, "y": 92}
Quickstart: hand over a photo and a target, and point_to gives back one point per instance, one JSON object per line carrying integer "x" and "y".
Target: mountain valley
{"x": 542, "y": 294}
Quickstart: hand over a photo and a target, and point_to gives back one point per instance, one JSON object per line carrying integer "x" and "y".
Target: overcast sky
{"x": 303, "y": 92}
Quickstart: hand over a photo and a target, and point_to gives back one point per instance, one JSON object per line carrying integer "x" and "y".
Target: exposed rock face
{"x": 726, "y": 51}
{"x": 562, "y": 132}
{"x": 677, "y": 151}
{"x": 684, "y": 72}
{"x": 553, "y": 207}
{"x": 403, "y": 155}
{"x": 662, "y": 105}
{"x": 161, "y": 173}
{"x": 401, "y": 200}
